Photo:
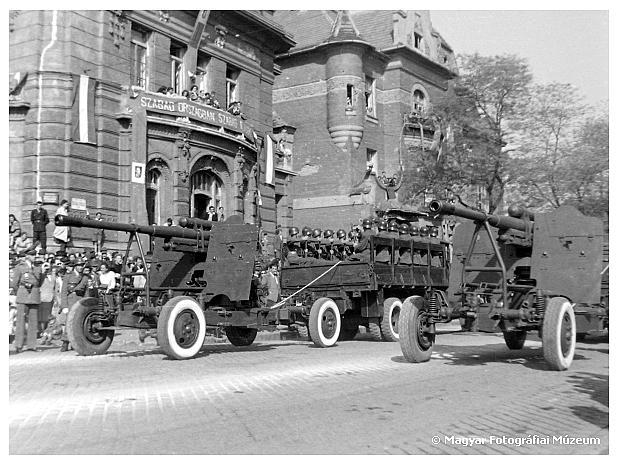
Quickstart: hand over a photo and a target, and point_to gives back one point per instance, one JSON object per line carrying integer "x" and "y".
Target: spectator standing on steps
{"x": 39, "y": 219}
{"x": 14, "y": 229}
{"x": 26, "y": 284}
{"x": 98, "y": 237}
{"x": 62, "y": 234}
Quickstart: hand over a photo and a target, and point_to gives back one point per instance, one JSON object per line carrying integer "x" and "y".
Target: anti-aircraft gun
{"x": 523, "y": 272}
{"x": 203, "y": 276}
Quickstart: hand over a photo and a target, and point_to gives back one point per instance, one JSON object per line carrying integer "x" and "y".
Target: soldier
{"x": 362, "y": 248}
{"x": 39, "y": 220}
{"x": 292, "y": 256}
{"x": 327, "y": 244}
{"x": 313, "y": 244}
{"x": 26, "y": 283}
{"x": 383, "y": 252}
{"x": 73, "y": 289}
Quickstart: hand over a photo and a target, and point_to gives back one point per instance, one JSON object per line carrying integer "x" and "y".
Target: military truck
{"x": 328, "y": 293}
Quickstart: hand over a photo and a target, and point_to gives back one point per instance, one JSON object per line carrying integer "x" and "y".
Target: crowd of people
{"x": 197, "y": 95}
{"x": 44, "y": 285}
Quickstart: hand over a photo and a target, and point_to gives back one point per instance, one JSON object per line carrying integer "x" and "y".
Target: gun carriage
{"x": 520, "y": 273}
{"x": 330, "y": 291}
{"x": 203, "y": 278}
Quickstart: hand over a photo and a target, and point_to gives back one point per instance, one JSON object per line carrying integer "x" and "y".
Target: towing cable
{"x": 282, "y": 302}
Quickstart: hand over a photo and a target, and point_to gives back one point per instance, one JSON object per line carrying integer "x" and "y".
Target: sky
{"x": 563, "y": 46}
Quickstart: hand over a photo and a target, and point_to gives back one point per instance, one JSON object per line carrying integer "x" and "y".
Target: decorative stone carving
{"x": 164, "y": 16}
{"x": 117, "y": 26}
{"x": 221, "y": 35}
{"x": 183, "y": 142}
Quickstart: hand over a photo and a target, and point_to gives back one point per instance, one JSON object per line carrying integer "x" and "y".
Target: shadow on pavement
{"x": 479, "y": 355}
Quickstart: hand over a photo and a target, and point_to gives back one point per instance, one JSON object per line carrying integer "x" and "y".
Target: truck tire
{"x": 240, "y": 336}
{"x": 324, "y": 322}
{"x": 515, "y": 339}
{"x": 559, "y": 332}
{"x": 181, "y": 328}
{"x": 84, "y": 337}
{"x": 375, "y": 331}
{"x": 416, "y": 343}
{"x": 390, "y": 319}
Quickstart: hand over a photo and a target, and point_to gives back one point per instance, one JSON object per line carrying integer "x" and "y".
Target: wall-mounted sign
{"x": 50, "y": 198}
{"x": 78, "y": 204}
{"x": 185, "y": 108}
{"x": 138, "y": 172}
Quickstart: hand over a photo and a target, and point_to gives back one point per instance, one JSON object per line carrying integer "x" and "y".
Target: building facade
{"x": 358, "y": 86}
{"x": 98, "y": 115}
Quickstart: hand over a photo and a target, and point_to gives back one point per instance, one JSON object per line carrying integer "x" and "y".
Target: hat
{"x": 39, "y": 201}
{"x": 61, "y": 253}
{"x": 30, "y": 252}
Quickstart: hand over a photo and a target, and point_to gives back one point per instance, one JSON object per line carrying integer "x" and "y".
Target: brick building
{"x": 358, "y": 86}
{"x": 91, "y": 119}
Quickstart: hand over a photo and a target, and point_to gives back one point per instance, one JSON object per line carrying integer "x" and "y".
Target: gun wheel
{"x": 390, "y": 319}
{"x": 240, "y": 336}
{"x": 515, "y": 339}
{"x": 324, "y": 322}
{"x": 181, "y": 328}
{"x": 415, "y": 340}
{"x": 374, "y": 330}
{"x": 83, "y": 322}
{"x": 559, "y": 334}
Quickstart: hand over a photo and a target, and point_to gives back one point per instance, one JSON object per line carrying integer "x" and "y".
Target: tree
{"x": 486, "y": 96}
{"x": 562, "y": 152}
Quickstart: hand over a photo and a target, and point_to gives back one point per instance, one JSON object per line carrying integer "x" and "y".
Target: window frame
{"x": 232, "y": 75}
{"x": 370, "y": 97}
{"x": 177, "y": 73}
{"x": 139, "y": 66}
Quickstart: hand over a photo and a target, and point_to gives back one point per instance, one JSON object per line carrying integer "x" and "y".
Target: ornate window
{"x": 418, "y": 103}
{"x": 205, "y": 192}
{"x": 201, "y": 71}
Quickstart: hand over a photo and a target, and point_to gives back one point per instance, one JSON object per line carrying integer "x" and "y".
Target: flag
{"x": 83, "y": 110}
{"x": 270, "y": 161}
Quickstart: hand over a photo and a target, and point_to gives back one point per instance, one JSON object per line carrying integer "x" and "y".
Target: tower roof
{"x": 344, "y": 28}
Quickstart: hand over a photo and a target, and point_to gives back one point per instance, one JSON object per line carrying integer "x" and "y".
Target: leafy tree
{"x": 486, "y": 96}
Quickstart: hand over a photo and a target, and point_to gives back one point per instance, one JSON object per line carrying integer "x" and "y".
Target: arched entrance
{"x": 206, "y": 189}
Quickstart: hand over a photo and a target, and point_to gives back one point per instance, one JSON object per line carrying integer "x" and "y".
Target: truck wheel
{"x": 85, "y": 338}
{"x": 416, "y": 343}
{"x": 324, "y": 322}
{"x": 515, "y": 339}
{"x": 240, "y": 336}
{"x": 181, "y": 328}
{"x": 559, "y": 334}
{"x": 390, "y": 319}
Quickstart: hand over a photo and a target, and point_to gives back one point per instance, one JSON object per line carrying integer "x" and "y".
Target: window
{"x": 139, "y": 56}
{"x": 177, "y": 53}
{"x": 370, "y": 96}
{"x": 201, "y": 71}
{"x": 350, "y": 98}
{"x": 418, "y": 41}
{"x": 372, "y": 159}
{"x": 206, "y": 192}
{"x": 418, "y": 102}
{"x": 231, "y": 89}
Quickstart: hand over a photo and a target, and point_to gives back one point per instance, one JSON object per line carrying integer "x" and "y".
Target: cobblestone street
{"x": 286, "y": 396}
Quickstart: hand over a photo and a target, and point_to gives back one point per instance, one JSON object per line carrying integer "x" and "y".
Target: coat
{"x": 73, "y": 289}
{"x": 39, "y": 219}
{"x": 48, "y": 288}
{"x": 26, "y": 284}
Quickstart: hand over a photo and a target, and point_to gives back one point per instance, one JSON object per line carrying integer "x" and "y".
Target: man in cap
{"x": 39, "y": 219}
{"x": 74, "y": 287}
{"x": 26, "y": 283}
{"x": 361, "y": 248}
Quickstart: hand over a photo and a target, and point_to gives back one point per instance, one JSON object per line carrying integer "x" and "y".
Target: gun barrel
{"x": 153, "y": 230}
{"x": 497, "y": 221}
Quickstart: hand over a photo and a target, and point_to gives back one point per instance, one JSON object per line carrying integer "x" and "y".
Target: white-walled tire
{"x": 324, "y": 322}
{"x": 390, "y": 319}
{"x": 559, "y": 332}
{"x": 416, "y": 343}
{"x": 181, "y": 328}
